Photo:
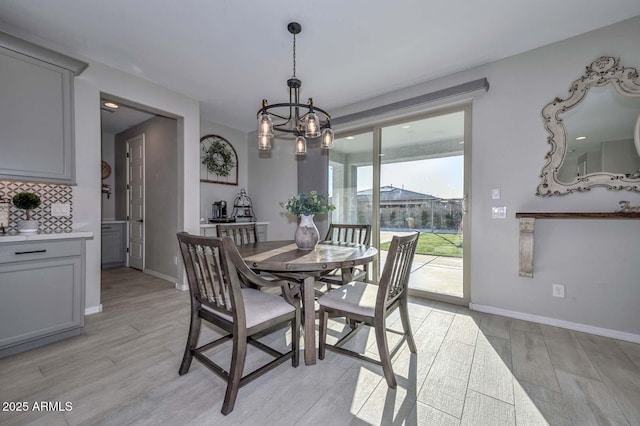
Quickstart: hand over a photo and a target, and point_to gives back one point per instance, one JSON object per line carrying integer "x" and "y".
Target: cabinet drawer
{"x": 39, "y": 250}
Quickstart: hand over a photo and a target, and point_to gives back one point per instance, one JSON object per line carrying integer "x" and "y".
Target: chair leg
{"x": 235, "y": 371}
{"x": 352, "y": 323}
{"x": 406, "y": 325}
{"x": 295, "y": 340}
{"x": 323, "y": 333}
{"x": 192, "y": 342}
{"x": 383, "y": 350}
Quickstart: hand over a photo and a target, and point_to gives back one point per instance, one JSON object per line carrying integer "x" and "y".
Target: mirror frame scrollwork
{"x": 605, "y": 70}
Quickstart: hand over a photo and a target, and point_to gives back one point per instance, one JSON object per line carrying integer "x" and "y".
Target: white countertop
{"x": 213, "y": 225}
{"x": 41, "y": 237}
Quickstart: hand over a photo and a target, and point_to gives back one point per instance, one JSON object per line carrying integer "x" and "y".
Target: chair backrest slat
{"x": 345, "y": 233}
{"x": 397, "y": 269}
{"x": 213, "y": 278}
{"x": 241, "y": 233}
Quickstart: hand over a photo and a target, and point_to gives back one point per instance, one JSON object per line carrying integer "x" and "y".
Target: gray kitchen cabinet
{"x": 41, "y": 293}
{"x": 114, "y": 244}
{"x": 36, "y": 118}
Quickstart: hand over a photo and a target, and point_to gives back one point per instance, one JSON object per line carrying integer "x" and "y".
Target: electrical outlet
{"x": 495, "y": 193}
{"x": 175, "y": 260}
{"x": 498, "y": 212}
{"x": 558, "y": 290}
{"x": 60, "y": 209}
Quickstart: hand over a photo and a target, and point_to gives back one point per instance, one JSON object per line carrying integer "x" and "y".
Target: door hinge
{"x": 127, "y": 155}
{"x": 127, "y": 217}
{"x": 127, "y": 249}
{"x": 128, "y": 187}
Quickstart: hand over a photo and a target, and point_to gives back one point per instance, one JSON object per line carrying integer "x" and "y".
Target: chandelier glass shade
{"x": 300, "y": 120}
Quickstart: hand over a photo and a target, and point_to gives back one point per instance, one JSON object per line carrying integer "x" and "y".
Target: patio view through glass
{"x": 415, "y": 183}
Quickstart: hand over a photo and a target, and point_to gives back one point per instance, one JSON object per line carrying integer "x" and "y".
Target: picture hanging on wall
{"x": 218, "y": 160}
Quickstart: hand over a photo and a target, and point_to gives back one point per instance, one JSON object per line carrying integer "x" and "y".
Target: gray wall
{"x": 313, "y": 176}
{"x": 161, "y": 196}
{"x": 100, "y": 79}
{"x": 595, "y": 259}
{"x": 108, "y": 204}
{"x": 276, "y": 175}
{"x": 210, "y": 192}
{"x": 273, "y": 178}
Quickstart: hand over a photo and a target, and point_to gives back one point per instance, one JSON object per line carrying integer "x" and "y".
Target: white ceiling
{"x": 232, "y": 54}
{"x": 123, "y": 118}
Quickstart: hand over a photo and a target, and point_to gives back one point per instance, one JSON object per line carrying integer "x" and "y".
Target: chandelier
{"x": 301, "y": 120}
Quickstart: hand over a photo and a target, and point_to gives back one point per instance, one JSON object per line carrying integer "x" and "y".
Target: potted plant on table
{"x": 305, "y": 206}
{"x": 27, "y": 201}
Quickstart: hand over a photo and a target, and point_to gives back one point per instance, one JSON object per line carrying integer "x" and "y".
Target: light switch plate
{"x": 495, "y": 194}
{"x": 498, "y": 212}
{"x": 558, "y": 290}
{"x": 61, "y": 210}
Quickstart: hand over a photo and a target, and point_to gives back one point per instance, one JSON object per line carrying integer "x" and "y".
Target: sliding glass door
{"x": 405, "y": 176}
{"x": 351, "y": 179}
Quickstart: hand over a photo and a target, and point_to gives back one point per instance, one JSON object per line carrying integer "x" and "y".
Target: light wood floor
{"x": 470, "y": 369}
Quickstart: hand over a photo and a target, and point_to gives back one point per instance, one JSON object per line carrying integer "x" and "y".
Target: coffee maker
{"x": 219, "y": 212}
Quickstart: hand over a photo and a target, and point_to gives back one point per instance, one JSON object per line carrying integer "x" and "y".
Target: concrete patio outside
{"x": 437, "y": 274}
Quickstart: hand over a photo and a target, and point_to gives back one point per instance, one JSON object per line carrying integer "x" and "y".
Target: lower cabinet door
{"x": 114, "y": 249}
{"x": 39, "y": 299}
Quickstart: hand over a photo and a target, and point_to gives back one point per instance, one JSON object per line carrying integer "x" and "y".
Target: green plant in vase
{"x": 305, "y": 206}
{"x": 27, "y": 201}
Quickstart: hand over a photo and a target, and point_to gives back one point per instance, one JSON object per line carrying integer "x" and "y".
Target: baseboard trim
{"x": 614, "y": 334}
{"x": 167, "y": 278}
{"x": 93, "y": 310}
{"x": 159, "y": 275}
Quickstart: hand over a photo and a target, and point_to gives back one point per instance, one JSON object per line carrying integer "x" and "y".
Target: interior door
{"x": 135, "y": 196}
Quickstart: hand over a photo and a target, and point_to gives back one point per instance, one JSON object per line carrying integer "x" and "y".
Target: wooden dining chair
{"x": 347, "y": 234}
{"x": 214, "y": 270}
{"x": 247, "y": 233}
{"x": 370, "y": 304}
{"x": 242, "y": 233}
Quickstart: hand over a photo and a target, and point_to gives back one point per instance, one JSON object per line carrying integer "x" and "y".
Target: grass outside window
{"x": 449, "y": 245}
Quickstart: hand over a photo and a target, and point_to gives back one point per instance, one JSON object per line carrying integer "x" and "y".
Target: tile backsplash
{"x": 49, "y": 194}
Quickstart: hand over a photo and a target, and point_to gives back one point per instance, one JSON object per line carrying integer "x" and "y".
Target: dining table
{"x": 286, "y": 261}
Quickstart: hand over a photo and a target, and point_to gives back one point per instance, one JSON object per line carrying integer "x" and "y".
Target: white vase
{"x": 307, "y": 235}
{"x": 28, "y": 226}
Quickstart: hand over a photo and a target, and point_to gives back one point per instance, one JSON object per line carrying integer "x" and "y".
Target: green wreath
{"x": 219, "y": 159}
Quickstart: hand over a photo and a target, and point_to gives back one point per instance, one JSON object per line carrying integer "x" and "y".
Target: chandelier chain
{"x": 294, "y": 55}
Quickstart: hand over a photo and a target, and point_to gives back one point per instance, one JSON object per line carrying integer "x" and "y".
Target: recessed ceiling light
{"x": 111, "y": 105}
{"x": 406, "y": 127}
{"x": 350, "y": 138}
{"x": 581, "y": 138}
{"x": 461, "y": 143}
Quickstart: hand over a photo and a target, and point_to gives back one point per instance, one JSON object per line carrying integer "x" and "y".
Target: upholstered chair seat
{"x": 368, "y": 305}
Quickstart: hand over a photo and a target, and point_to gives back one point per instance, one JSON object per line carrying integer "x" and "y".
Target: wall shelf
{"x": 527, "y": 228}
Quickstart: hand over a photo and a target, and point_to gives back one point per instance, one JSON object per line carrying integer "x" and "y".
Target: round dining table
{"x": 284, "y": 260}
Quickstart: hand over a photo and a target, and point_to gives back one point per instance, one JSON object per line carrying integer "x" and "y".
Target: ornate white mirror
{"x": 592, "y": 137}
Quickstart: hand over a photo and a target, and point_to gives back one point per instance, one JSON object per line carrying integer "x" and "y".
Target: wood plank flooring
{"x": 470, "y": 369}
